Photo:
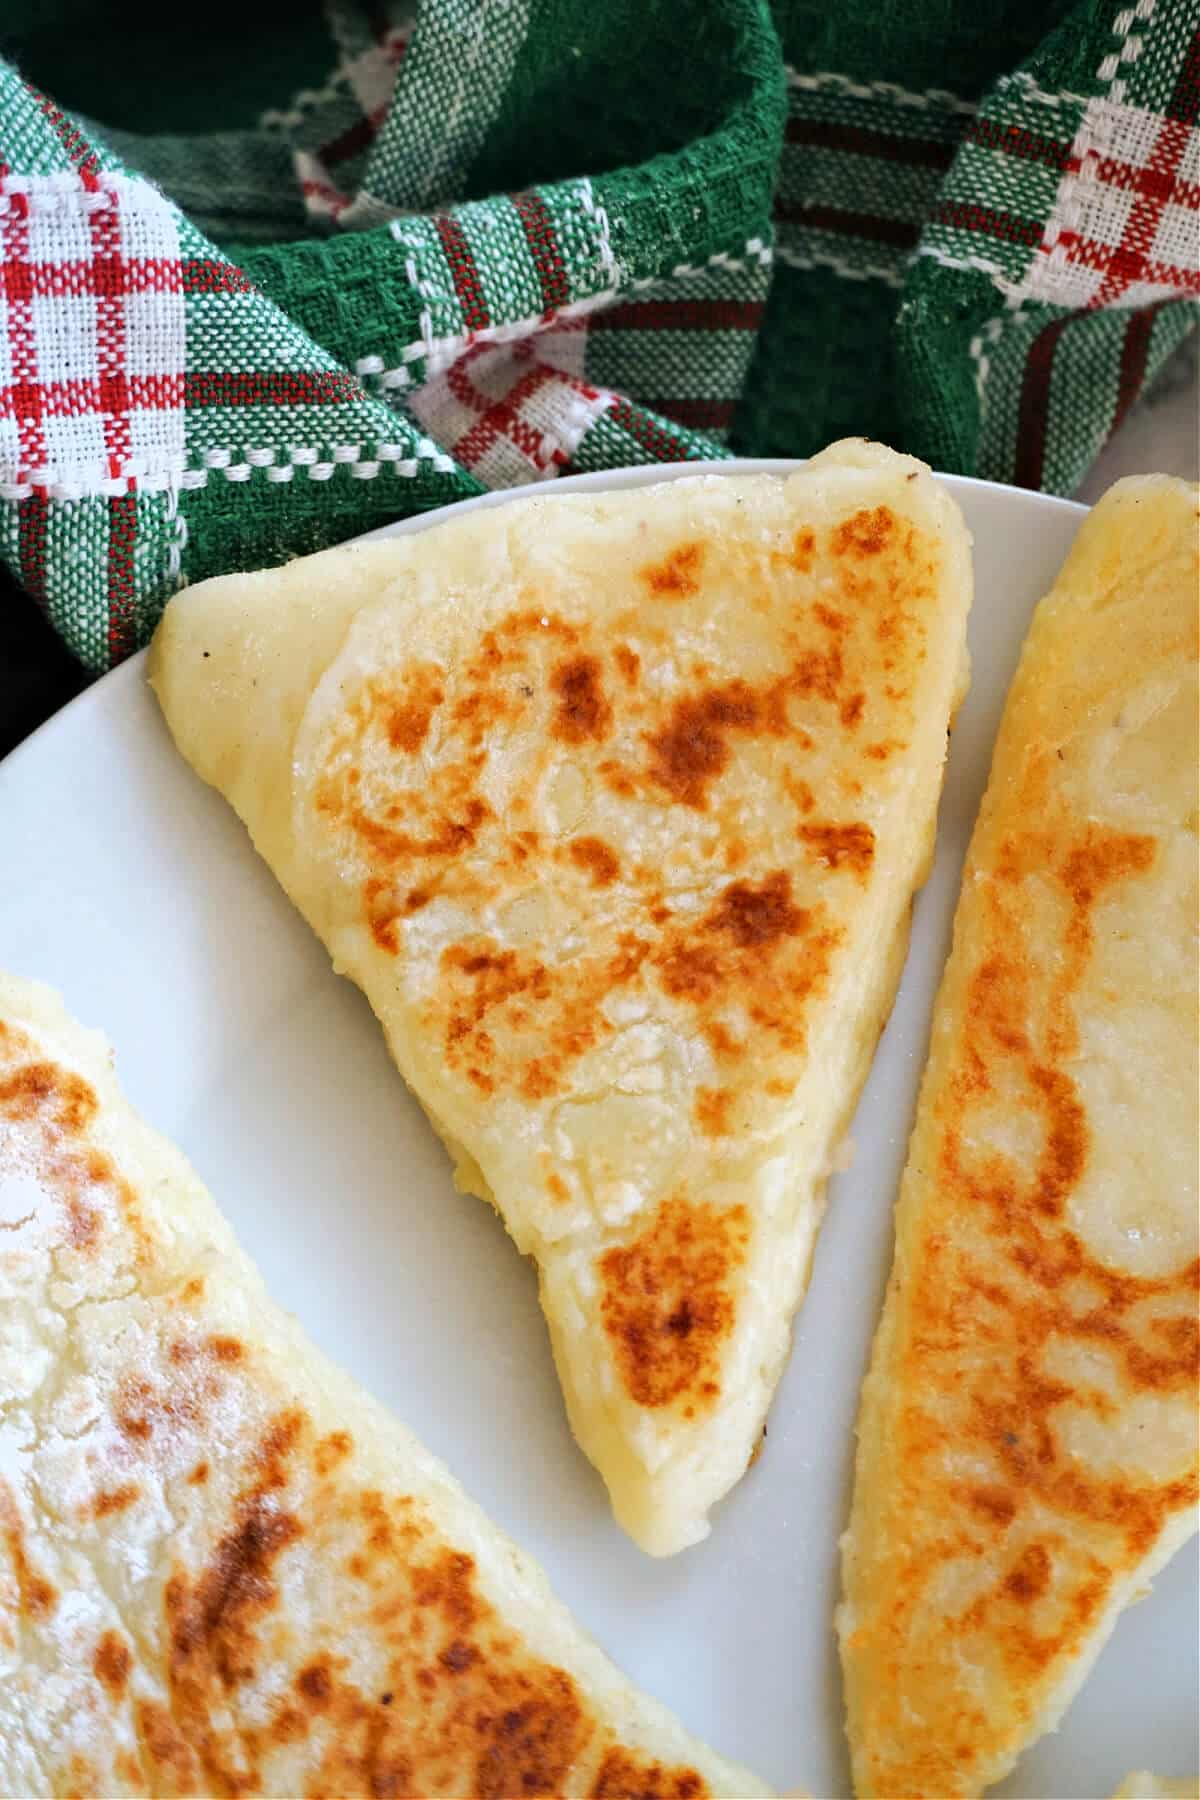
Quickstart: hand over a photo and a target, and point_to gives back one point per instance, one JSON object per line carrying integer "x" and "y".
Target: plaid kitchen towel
{"x": 266, "y": 286}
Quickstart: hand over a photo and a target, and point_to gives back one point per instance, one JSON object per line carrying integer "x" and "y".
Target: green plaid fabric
{"x": 509, "y": 239}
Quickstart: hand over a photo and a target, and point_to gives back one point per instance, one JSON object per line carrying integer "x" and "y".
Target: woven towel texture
{"x": 268, "y": 289}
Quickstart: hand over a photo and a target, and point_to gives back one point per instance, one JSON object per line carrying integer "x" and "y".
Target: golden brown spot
{"x": 36, "y": 1597}
{"x": 111, "y": 1663}
{"x": 994, "y": 1503}
{"x": 757, "y": 915}
{"x": 668, "y": 1306}
{"x": 482, "y": 978}
{"x": 803, "y": 545}
{"x": 881, "y": 751}
{"x": 596, "y": 859}
{"x": 852, "y": 709}
{"x": 840, "y": 846}
{"x": 316, "y": 1683}
{"x": 80, "y": 1779}
{"x": 141, "y": 1410}
{"x": 330, "y": 1451}
{"x": 754, "y": 946}
{"x": 217, "y": 1348}
{"x": 693, "y": 749}
{"x": 677, "y": 576}
{"x": 1029, "y": 1576}
{"x": 131, "y": 1411}
{"x": 626, "y": 1775}
{"x": 711, "y": 1111}
{"x": 865, "y": 533}
{"x": 448, "y": 837}
{"x": 278, "y": 1444}
{"x": 828, "y": 616}
{"x": 557, "y": 1187}
{"x": 199, "y": 1475}
{"x": 583, "y": 711}
{"x": 164, "y": 1746}
{"x": 1102, "y": 857}
{"x": 57, "y": 1097}
{"x": 211, "y": 1621}
{"x": 112, "y": 1500}
{"x": 798, "y": 792}
{"x": 818, "y": 672}
{"x": 629, "y": 663}
{"x": 409, "y": 719}
{"x": 61, "y": 1106}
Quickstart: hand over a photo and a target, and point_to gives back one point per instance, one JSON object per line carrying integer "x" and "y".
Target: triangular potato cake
{"x": 614, "y": 806}
{"x": 224, "y": 1569}
{"x": 1027, "y": 1453}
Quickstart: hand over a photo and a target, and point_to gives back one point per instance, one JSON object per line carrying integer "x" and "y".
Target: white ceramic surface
{"x": 134, "y": 890}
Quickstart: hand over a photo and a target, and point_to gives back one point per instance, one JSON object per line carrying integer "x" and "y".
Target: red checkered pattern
{"x": 91, "y": 335}
{"x": 1123, "y": 230}
{"x": 512, "y": 413}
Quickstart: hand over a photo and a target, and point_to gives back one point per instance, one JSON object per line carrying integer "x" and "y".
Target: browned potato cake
{"x": 1027, "y": 1440}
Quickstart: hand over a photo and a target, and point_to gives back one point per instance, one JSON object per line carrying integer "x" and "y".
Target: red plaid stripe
{"x": 72, "y": 141}
{"x": 210, "y": 277}
{"x": 1033, "y": 412}
{"x": 825, "y": 134}
{"x": 270, "y": 387}
{"x": 881, "y": 229}
{"x": 679, "y": 315}
{"x": 660, "y": 445}
{"x": 990, "y": 221}
{"x": 543, "y": 247}
{"x": 21, "y": 400}
{"x": 32, "y": 518}
{"x": 34, "y": 402}
{"x": 107, "y": 283}
{"x": 122, "y": 615}
{"x": 1134, "y": 353}
{"x": 464, "y": 274}
{"x": 1018, "y": 141}
{"x": 700, "y": 415}
{"x": 68, "y": 280}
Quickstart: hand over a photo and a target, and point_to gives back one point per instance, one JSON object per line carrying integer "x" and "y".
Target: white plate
{"x": 133, "y": 889}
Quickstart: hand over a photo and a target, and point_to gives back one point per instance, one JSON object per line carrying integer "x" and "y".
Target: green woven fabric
{"x": 263, "y": 292}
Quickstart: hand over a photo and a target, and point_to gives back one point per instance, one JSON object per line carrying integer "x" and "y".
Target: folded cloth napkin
{"x": 263, "y": 292}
